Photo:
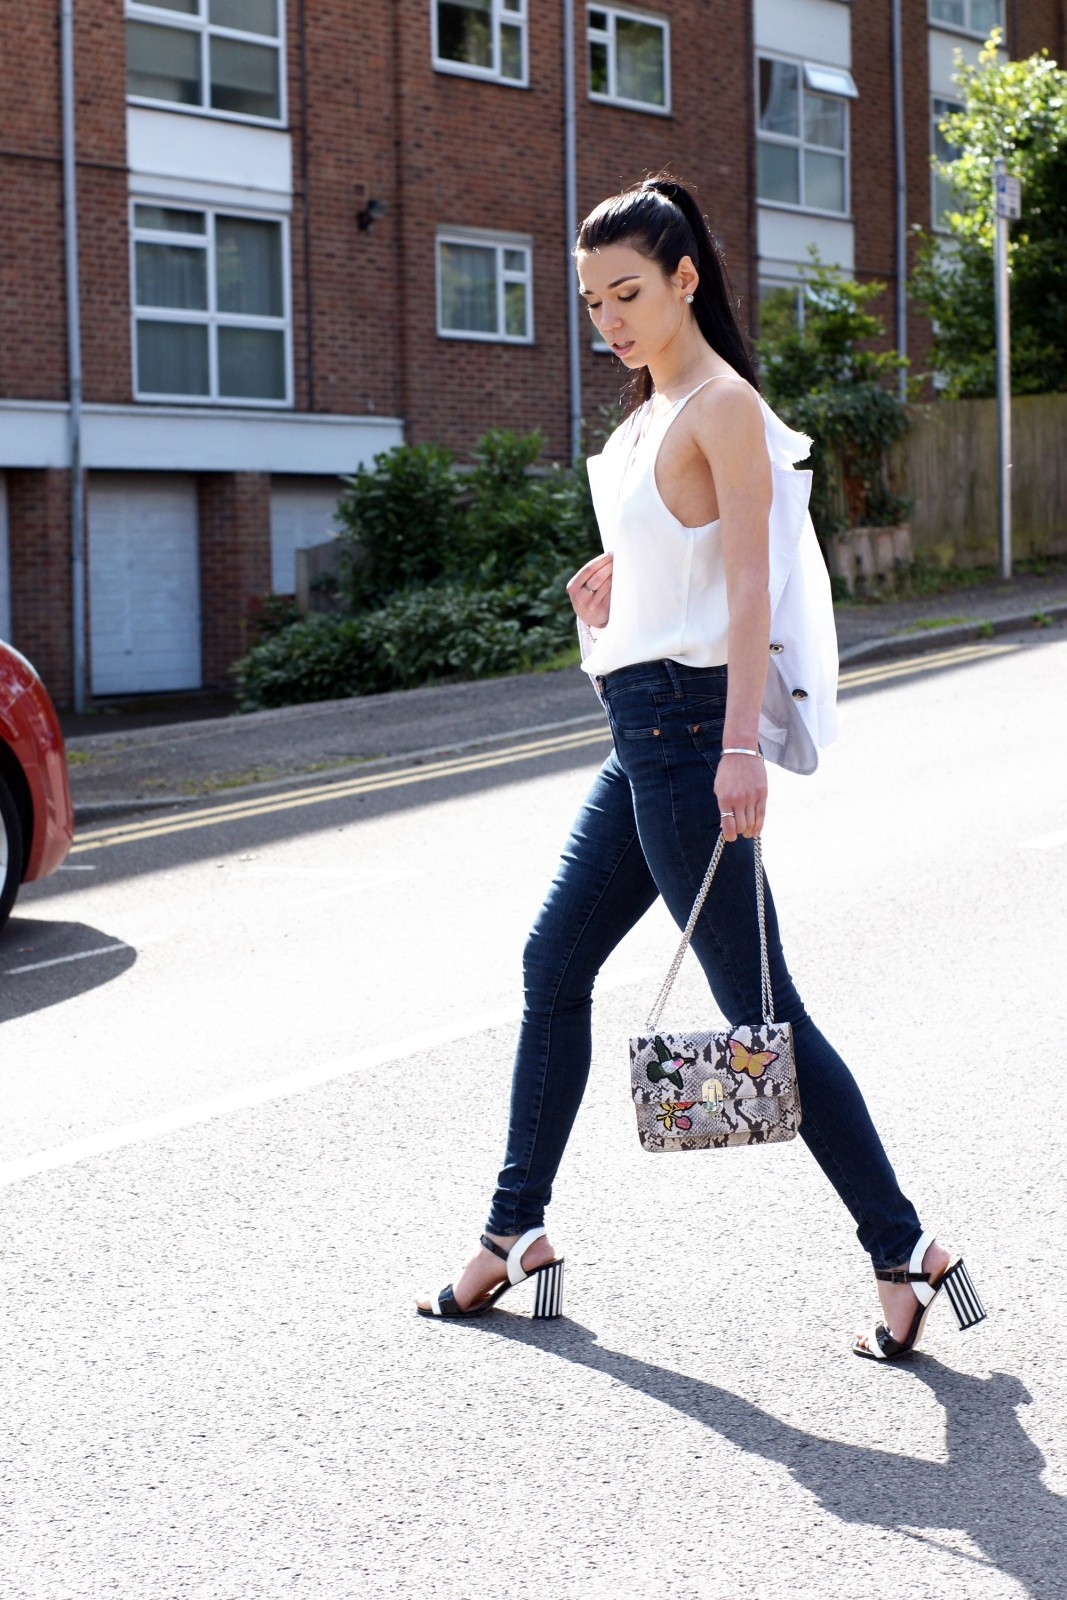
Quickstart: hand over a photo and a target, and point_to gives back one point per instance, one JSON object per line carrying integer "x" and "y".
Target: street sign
{"x": 1009, "y": 196}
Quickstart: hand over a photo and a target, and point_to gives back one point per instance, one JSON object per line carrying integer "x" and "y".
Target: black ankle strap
{"x": 902, "y": 1275}
{"x": 491, "y": 1244}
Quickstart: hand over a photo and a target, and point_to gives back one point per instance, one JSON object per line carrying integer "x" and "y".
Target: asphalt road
{"x": 255, "y": 1069}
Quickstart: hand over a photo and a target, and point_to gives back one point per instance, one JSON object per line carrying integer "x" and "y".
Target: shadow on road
{"x": 43, "y": 963}
{"x": 990, "y": 1487}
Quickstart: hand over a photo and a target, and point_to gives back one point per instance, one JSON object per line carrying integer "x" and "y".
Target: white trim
{"x": 501, "y": 15}
{"x": 212, "y": 318}
{"x": 213, "y": 154}
{"x": 213, "y": 196}
{"x": 201, "y": 24}
{"x": 489, "y": 239}
{"x": 151, "y": 438}
{"x": 607, "y": 37}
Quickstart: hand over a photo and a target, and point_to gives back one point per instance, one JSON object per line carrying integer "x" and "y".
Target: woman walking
{"x": 711, "y": 572}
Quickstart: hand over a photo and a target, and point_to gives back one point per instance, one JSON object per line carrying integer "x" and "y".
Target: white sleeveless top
{"x": 668, "y": 588}
{"x": 668, "y": 591}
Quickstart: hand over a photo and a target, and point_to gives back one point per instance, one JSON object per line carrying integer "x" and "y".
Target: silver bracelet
{"x": 734, "y": 751}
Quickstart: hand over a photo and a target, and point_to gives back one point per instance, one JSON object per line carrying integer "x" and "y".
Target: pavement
{"x": 172, "y": 752}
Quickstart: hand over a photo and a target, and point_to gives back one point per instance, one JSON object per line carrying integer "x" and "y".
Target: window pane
{"x": 824, "y": 120}
{"x": 824, "y": 181}
{"x": 172, "y": 358}
{"x": 163, "y": 63}
{"x": 248, "y": 267}
{"x": 599, "y": 19}
{"x": 510, "y": 51}
{"x": 465, "y": 31}
{"x": 948, "y": 11}
{"x": 778, "y": 97}
{"x": 986, "y": 14}
{"x": 778, "y": 173}
{"x": 468, "y": 288}
{"x": 244, "y": 78}
{"x": 598, "y": 68}
{"x": 167, "y": 220}
{"x": 515, "y": 310}
{"x": 514, "y": 260}
{"x": 639, "y": 73}
{"x": 253, "y": 16}
{"x": 171, "y": 275}
{"x": 251, "y": 364}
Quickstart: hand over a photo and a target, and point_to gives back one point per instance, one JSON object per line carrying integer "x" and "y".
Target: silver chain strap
{"x": 766, "y": 997}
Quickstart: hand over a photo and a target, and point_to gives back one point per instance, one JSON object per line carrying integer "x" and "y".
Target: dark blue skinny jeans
{"x": 648, "y": 828}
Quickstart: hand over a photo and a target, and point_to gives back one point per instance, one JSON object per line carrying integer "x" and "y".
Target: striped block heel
{"x": 548, "y": 1289}
{"x": 548, "y": 1299}
{"x": 878, "y": 1344}
{"x": 962, "y": 1295}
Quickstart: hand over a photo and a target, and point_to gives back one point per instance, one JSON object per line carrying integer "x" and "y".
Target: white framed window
{"x": 781, "y": 307}
{"x": 969, "y": 16}
{"x": 629, "y": 58}
{"x": 481, "y": 39}
{"x": 802, "y": 135}
{"x": 210, "y": 306}
{"x": 222, "y": 57}
{"x": 484, "y": 287}
{"x": 943, "y": 196}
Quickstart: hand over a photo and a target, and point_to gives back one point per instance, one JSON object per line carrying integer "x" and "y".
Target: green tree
{"x": 827, "y": 377}
{"x": 1016, "y": 110}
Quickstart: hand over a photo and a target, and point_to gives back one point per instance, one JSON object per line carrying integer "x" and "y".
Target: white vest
{"x": 668, "y": 593}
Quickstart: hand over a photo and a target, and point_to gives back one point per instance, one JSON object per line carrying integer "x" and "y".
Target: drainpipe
{"x": 74, "y": 361}
{"x": 570, "y": 202}
{"x": 900, "y": 153}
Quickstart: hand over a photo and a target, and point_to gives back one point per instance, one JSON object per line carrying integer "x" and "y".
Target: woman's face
{"x": 637, "y": 310}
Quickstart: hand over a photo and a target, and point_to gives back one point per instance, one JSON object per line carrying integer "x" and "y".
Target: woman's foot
{"x": 899, "y": 1300}
{"x": 485, "y": 1271}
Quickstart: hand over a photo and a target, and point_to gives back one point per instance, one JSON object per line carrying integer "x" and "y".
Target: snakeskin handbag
{"x": 700, "y": 1091}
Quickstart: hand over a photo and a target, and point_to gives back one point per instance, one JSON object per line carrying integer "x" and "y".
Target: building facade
{"x": 298, "y": 234}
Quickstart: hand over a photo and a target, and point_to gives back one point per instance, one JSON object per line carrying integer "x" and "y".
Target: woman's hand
{"x": 590, "y": 590}
{"x": 741, "y": 790}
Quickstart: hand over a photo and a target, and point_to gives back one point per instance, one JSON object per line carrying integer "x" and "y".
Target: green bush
{"x": 444, "y": 574}
{"x": 827, "y": 380}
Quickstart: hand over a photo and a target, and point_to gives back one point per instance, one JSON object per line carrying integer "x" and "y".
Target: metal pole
{"x": 570, "y": 170}
{"x": 74, "y": 363}
{"x": 900, "y": 158}
{"x": 1000, "y": 277}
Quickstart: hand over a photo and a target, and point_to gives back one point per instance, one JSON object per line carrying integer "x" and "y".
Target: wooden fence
{"x": 947, "y": 465}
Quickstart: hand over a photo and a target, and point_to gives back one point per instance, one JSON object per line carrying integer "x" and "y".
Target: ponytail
{"x": 662, "y": 219}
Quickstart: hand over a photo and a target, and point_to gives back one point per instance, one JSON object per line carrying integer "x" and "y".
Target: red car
{"x": 36, "y": 815}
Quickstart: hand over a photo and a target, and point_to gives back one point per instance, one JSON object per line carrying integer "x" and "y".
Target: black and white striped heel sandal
{"x": 548, "y": 1293}
{"x": 956, "y": 1281}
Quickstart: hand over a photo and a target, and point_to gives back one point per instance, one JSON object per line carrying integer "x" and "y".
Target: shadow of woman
{"x": 989, "y": 1487}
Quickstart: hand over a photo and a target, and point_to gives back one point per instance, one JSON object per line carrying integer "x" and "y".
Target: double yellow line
{"x": 156, "y": 827}
{"x": 371, "y": 783}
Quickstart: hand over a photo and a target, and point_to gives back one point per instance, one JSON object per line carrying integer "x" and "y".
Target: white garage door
{"x": 144, "y": 583}
{"x": 301, "y": 514}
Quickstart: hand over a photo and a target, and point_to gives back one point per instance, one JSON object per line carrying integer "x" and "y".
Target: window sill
{"x": 231, "y": 403}
{"x": 483, "y": 338}
{"x": 804, "y": 211}
{"x": 630, "y": 105}
{"x": 456, "y": 69}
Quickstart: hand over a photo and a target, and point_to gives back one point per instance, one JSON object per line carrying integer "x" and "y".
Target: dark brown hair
{"x": 662, "y": 219}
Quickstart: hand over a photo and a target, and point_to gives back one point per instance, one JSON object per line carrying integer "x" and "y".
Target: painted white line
{"x": 1047, "y": 841}
{"x": 59, "y": 961}
{"x": 66, "y": 868}
{"x": 99, "y": 1144}
{"x": 258, "y": 1094}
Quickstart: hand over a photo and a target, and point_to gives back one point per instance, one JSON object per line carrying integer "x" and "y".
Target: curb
{"x": 921, "y": 640}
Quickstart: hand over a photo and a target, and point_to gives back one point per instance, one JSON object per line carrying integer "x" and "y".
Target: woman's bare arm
{"x": 729, "y": 431}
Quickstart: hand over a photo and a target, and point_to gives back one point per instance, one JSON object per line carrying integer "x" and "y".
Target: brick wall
{"x": 40, "y": 538}
{"x": 234, "y": 510}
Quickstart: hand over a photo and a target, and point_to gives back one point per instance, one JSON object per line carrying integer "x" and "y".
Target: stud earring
{"x": 689, "y": 299}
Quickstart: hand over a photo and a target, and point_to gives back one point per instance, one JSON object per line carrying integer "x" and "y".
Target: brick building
{"x": 302, "y": 232}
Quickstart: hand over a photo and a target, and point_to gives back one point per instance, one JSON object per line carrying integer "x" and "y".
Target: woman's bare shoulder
{"x": 728, "y": 414}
